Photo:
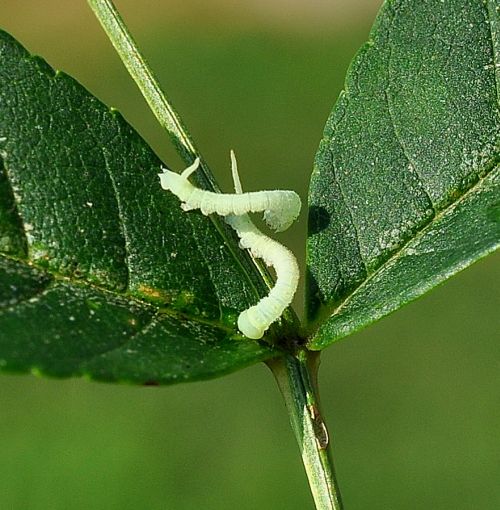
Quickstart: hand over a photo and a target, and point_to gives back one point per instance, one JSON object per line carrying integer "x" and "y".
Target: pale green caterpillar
{"x": 280, "y": 209}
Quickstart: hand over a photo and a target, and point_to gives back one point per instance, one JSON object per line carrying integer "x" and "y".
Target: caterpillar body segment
{"x": 254, "y": 321}
{"x": 280, "y": 209}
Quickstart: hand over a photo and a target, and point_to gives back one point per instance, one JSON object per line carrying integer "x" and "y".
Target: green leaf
{"x": 101, "y": 272}
{"x": 405, "y": 189}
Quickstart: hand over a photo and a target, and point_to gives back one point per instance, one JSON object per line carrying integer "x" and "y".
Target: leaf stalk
{"x": 296, "y": 376}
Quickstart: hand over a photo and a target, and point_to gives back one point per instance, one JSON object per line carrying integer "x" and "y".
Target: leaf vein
{"x": 405, "y": 153}
{"x": 351, "y": 215}
{"x": 143, "y": 329}
{"x": 10, "y": 190}
{"x": 121, "y": 220}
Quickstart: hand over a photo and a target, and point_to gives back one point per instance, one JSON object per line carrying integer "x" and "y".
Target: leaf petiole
{"x": 296, "y": 378}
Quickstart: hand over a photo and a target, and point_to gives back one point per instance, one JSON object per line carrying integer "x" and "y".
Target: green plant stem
{"x": 296, "y": 378}
{"x": 140, "y": 71}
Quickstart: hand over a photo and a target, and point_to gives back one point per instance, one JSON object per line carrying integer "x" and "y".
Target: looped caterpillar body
{"x": 280, "y": 208}
{"x": 254, "y": 321}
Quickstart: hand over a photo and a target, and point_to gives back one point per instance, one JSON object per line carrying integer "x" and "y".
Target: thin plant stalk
{"x": 136, "y": 65}
{"x": 296, "y": 378}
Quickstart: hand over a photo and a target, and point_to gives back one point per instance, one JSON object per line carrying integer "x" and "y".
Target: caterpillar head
{"x": 276, "y": 222}
{"x": 178, "y": 184}
{"x": 288, "y": 213}
{"x": 249, "y": 326}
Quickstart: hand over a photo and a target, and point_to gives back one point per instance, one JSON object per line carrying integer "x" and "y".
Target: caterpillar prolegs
{"x": 280, "y": 209}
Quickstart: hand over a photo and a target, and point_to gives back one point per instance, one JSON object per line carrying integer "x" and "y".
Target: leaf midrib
{"x": 328, "y": 312}
{"x": 132, "y": 299}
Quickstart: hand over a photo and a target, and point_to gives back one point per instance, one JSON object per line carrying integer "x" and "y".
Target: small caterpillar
{"x": 254, "y": 321}
{"x": 280, "y": 208}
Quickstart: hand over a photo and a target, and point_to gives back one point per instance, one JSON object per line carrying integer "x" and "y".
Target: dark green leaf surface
{"x": 405, "y": 190}
{"x": 101, "y": 273}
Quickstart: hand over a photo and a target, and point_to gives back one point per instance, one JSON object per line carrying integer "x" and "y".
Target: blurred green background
{"x": 413, "y": 402}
